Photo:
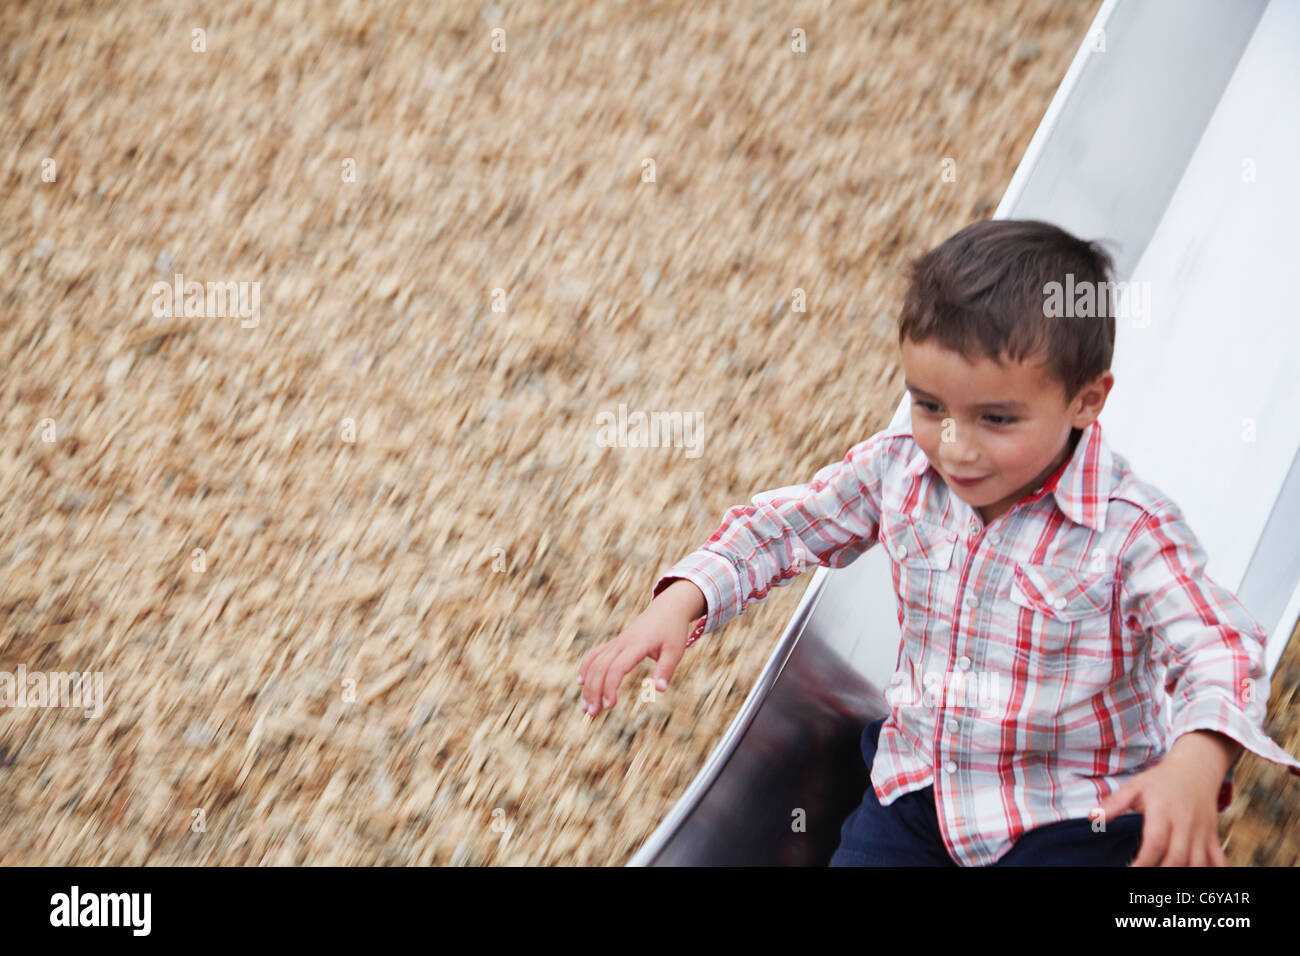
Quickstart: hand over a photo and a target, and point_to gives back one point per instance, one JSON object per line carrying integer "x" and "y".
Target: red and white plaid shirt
{"x": 1034, "y": 651}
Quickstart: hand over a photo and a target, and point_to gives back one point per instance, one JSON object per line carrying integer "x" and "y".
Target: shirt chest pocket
{"x": 1065, "y": 614}
{"x": 922, "y": 556}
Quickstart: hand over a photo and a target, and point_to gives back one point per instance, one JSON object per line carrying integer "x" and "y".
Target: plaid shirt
{"x": 1033, "y": 650}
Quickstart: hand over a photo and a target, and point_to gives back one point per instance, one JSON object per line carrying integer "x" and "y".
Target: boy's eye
{"x": 995, "y": 420}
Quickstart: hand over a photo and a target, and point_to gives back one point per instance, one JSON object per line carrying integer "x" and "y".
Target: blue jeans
{"x": 906, "y": 833}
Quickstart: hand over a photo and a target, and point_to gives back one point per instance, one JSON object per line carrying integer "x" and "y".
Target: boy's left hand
{"x": 1178, "y": 799}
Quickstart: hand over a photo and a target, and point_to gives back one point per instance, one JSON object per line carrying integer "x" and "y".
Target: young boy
{"x": 1025, "y": 553}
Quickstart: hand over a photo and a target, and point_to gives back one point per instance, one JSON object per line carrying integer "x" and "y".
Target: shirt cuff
{"x": 1212, "y": 713}
{"x": 717, "y": 579}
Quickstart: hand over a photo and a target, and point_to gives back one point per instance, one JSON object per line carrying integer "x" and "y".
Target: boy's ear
{"x": 1087, "y": 405}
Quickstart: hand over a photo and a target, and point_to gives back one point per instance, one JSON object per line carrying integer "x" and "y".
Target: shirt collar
{"x": 1081, "y": 488}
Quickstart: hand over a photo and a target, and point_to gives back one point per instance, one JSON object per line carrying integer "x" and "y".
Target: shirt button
{"x": 974, "y": 528}
{"x": 972, "y": 601}
{"x": 950, "y": 767}
{"x": 1059, "y": 604}
{"x": 951, "y": 725}
{"x": 963, "y": 662}
{"x": 993, "y": 537}
{"x": 902, "y": 553}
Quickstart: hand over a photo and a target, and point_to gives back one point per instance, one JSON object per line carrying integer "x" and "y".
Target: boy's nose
{"x": 960, "y": 462}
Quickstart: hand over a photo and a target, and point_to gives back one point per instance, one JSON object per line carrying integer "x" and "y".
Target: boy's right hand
{"x": 660, "y": 632}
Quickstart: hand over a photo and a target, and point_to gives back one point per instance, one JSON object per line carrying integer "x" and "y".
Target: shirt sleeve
{"x": 827, "y": 522}
{"x": 1211, "y": 646}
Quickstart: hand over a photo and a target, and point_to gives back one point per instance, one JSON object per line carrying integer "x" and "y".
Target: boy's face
{"x": 1006, "y": 425}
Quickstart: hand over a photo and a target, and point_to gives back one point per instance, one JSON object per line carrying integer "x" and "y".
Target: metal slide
{"x": 1175, "y": 134}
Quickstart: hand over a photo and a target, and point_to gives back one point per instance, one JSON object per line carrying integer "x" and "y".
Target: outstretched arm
{"x": 827, "y": 522}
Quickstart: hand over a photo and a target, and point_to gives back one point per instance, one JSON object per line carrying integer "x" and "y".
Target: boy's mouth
{"x": 966, "y": 482}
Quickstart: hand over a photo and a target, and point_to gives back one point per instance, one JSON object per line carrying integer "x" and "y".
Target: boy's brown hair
{"x": 985, "y": 291}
